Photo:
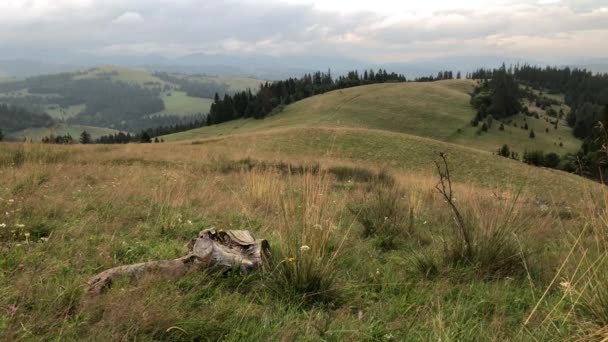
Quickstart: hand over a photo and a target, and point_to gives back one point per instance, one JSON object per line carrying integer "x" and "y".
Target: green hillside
{"x": 437, "y": 110}
{"x": 34, "y": 95}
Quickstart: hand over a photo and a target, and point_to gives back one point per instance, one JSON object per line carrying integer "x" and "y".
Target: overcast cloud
{"x": 385, "y": 31}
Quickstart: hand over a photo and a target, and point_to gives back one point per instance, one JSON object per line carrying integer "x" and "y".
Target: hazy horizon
{"x": 555, "y": 32}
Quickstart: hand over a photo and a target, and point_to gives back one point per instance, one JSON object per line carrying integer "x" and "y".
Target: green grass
{"x": 437, "y": 110}
{"x": 179, "y": 103}
{"x": 38, "y": 133}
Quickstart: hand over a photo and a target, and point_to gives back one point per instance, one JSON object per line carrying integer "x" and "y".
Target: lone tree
{"x": 145, "y": 138}
{"x": 85, "y": 138}
{"x": 532, "y": 135}
{"x": 504, "y": 151}
{"x": 1, "y": 135}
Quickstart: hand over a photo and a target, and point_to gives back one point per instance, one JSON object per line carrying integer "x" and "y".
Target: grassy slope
{"x": 435, "y": 110}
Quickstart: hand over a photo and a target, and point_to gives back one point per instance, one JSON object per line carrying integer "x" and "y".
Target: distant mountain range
{"x": 256, "y": 66}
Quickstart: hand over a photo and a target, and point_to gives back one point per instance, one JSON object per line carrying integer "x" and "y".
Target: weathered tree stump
{"x": 212, "y": 249}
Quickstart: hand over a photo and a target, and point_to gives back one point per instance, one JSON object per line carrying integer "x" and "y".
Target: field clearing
{"x": 437, "y": 110}
{"x": 63, "y": 113}
{"x": 76, "y": 210}
{"x": 132, "y": 76}
{"x": 233, "y": 83}
{"x": 179, "y": 103}
{"x": 38, "y": 133}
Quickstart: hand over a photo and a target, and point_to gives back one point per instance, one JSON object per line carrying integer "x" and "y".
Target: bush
{"x": 552, "y": 160}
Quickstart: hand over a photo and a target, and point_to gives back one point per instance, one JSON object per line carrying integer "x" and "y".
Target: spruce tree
{"x": 85, "y": 138}
{"x": 532, "y": 135}
{"x": 1, "y": 135}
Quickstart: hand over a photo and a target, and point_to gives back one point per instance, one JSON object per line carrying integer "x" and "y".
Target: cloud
{"x": 128, "y": 18}
{"x": 552, "y": 30}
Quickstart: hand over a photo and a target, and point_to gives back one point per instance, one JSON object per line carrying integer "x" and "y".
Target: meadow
{"x": 385, "y": 257}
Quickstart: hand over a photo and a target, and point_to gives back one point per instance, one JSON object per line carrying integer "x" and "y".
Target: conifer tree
{"x": 85, "y": 137}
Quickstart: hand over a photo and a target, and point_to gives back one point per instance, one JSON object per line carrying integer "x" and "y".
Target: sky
{"x": 379, "y": 31}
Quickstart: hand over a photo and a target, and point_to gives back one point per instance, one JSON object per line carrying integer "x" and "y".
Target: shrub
{"x": 382, "y": 214}
{"x": 504, "y": 151}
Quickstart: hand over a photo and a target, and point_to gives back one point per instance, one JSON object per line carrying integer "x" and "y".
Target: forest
{"x": 13, "y": 118}
{"x": 500, "y": 92}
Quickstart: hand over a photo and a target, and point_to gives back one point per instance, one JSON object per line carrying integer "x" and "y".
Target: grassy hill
{"x": 437, "y": 110}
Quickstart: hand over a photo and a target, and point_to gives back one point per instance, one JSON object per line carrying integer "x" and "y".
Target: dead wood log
{"x": 211, "y": 250}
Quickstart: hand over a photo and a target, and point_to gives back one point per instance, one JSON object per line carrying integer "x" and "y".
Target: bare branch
{"x": 444, "y": 187}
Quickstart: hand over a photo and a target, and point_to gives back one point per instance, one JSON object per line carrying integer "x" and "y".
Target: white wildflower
{"x": 18, "y": 225}
{"x": 2, "y": 225}
{"x": 544, "y": 207}
{"x": 189, "y": 222}
{"x": 424, "y": 222}
{"x": 44, "y": 239}
{"x": 566, "y": 286}
{"x": 304, "y": 248}
{"x": 317, "y": 226}
{"x": 377, "y": 271}
{"x": 11, "y": 201}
